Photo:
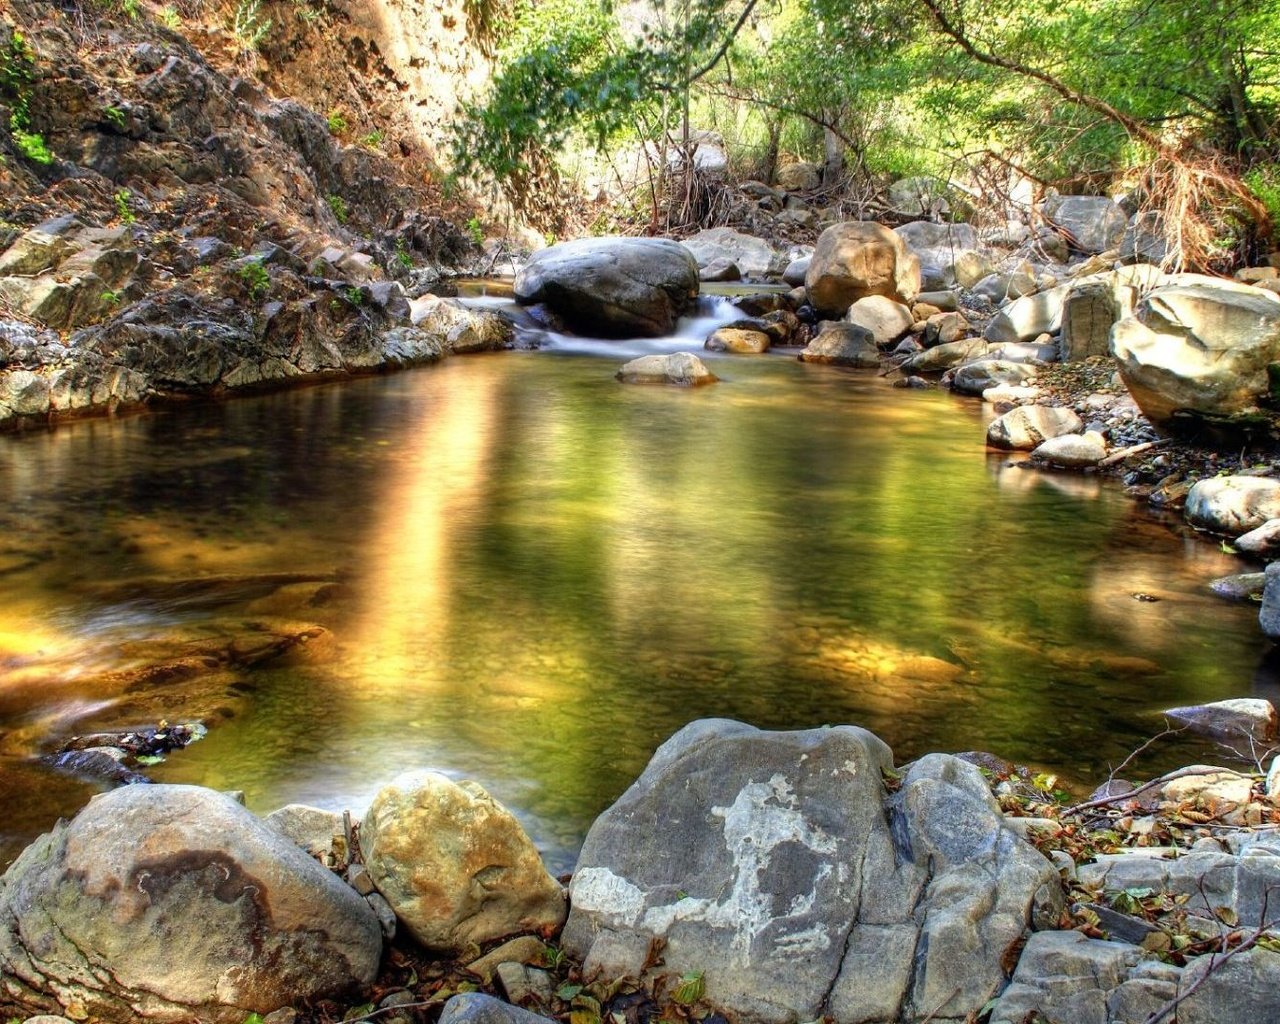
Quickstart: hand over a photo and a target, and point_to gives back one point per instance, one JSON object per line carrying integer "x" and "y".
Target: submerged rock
{"x": 1240, "y": 718}
{"x": 454, "y": 864}
{"x": 172, "y": 902}
{"x": 800, "y": 886}
{"x": 682, "y": 368}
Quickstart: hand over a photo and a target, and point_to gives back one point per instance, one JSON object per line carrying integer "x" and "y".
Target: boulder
{"x": 1269, "y": 613}
{"x": 1262, "y": 542}
{"x": 1029, "y": 426}
{"x": 974, "y": 378}
{"x": 1090, "y": 310}
{"x": 799, "y": 887}
{"x": 951, "y": 248}
{"x": 174, "y": 902}
{"x": 1244, "y": 586}
{"x": 478, "y": 1008}
{"x": 799, "y": 177}
{"x": 859, "y": 258}
{"x": 944, "y": 357}
{"x": 721, "y": 269}
{"x": 885, "y": 319}
{"x": 612, "y": 287}
{"x": 1093, "y": 224}
{"x": 1028, "y": 317}
{"x": 683, "y": 368}
{"x": 1073, "y": 451}
{"x": 841, "y": 344}
{"x": 454, "y": 864}
{"x": 1144, "y": 239}
{"x": 1201, "y": 349}
{"x": 796, "y": 269}
{"x": 737, "y": 339}
{"x": 944, "y": 328}
{"x": 1248, "y": 718}
{"x": 753, "y": 256}
{"x": 997, "y": 287}
{"x": 1233, "y": 504}
{"x": 313, "y": 829}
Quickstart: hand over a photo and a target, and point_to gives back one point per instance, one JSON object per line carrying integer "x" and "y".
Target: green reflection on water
{"x": 545, "y": 573}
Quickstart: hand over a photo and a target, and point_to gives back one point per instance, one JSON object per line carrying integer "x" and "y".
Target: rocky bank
{"x": 753, "y": 876}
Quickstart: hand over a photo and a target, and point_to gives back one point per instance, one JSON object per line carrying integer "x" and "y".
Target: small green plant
{"x": 308, "y": 14}
{"x": 122, "y": 206}
{"x": 475, "y": 230}
{"x": 170, "y": 17}
{"x": 337, "y": 122}
{"x": 403, "y": 256}
{"x": 131, "y": 9}
{"x": 33, "y": 147}
{"x": 256, "y": 279}
{"x": 353, "y": 295}
{"x": 111, "y": 298}
{"x": 338, "y": 205}
{"x": 116, "y": 116}
{"x": 372, "y": 140}
{"x": 247, "y": 25}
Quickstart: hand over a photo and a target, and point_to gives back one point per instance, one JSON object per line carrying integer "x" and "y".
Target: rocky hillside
{"x": 203, "y": 196}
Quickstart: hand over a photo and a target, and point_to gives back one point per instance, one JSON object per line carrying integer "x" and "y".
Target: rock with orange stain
{"x": 454, "y": 864}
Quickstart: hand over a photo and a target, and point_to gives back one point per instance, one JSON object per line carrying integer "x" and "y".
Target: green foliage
{"x": 338, "y": 205}
{"x": 353, "y": 296}
{"x": 337, "y": 122}
{"x": 17, "y": 72}
{"x": 253, "y": 1018}
{"x": 247, "y": 24}
{"x": 170, "y": 17}
{"x": 116, "y": 116}
{"x": 475, "y": 230}
{"x": 1264, "y": 182}
{"x": 403, "y": 256}
{"x": 373, "y": 139}
{"x": 122, "y": 206}
{"x": 33, "y": 147}
{"x": 131, "y": 9}
{"x": 256, "y": 279}
{"x": 691, "y": 988}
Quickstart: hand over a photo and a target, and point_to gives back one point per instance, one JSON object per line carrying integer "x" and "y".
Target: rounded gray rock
{"x": 171, "y": 902}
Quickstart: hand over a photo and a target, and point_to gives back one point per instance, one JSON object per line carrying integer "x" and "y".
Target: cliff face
{"x": 269, "y": 166}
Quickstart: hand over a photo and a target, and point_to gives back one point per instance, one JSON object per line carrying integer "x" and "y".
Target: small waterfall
{"x": 709, "y": 312}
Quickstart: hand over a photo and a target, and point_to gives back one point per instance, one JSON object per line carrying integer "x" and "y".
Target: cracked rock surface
{"x": 782, "y": 867}
{"x": 164, "y": 902}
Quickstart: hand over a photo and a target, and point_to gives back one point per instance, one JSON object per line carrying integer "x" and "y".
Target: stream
{"x": 530, "y": 575}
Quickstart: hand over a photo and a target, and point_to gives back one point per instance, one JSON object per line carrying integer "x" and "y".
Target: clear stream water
{"x": 542, "y": 573}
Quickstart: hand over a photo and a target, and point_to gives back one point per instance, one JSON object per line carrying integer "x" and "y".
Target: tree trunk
{"x": 832, "y": 158}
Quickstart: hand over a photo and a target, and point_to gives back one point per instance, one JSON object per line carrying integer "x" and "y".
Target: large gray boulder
{"x": 454, "y": 864}
{"x": 680, "y": 368}
{"x": 1200, "y": 349}
{"x": 173, "y": 903}
{"x": 859, "y": 258}
{"x": 1094, "y": 224}
{"x": 612, "y": 287}
{"x": 784, "y": 870}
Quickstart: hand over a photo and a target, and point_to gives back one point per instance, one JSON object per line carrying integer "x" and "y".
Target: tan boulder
{"x": 454, "y": 864}
{"x": 737, "y": 339}
{"x": 1199, "y": 349}
{"x": 859, "y": 258}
